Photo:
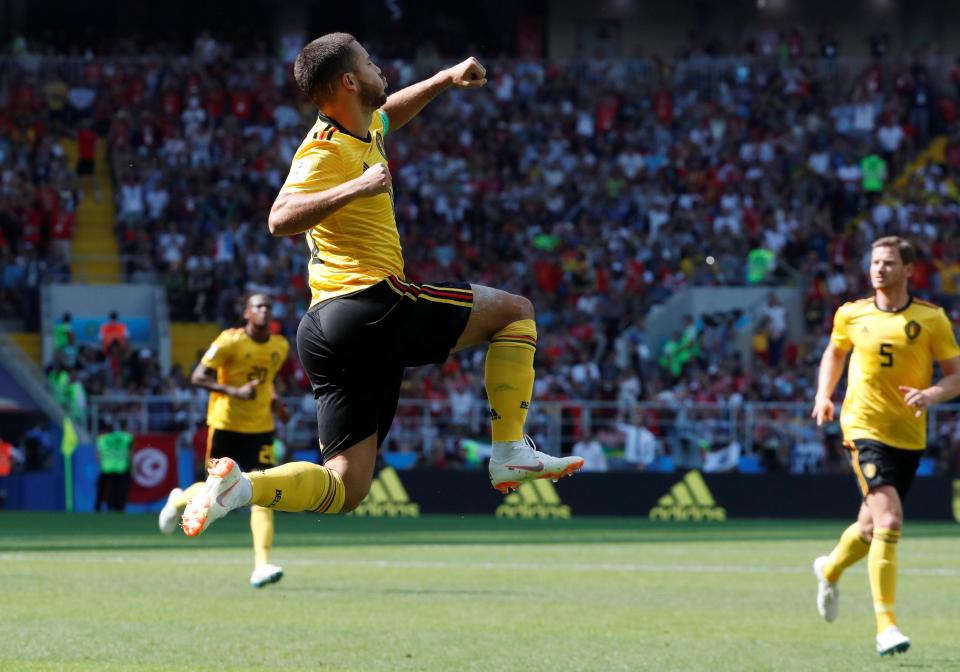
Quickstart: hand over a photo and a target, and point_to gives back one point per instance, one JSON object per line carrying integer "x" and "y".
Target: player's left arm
{"x": 406, "y": 103}
{"x": 944, "y": 349}
{"x": 945, "y": 389}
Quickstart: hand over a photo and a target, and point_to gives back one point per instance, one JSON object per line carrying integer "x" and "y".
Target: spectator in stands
{"x": 591, "y": 450}
{"x": 113, "y": 331}
{"x": 776, "y": 320}
{"x": 64, "y": 340}
{"x": 640, "y": 446}
{"x": 6, "y": 458}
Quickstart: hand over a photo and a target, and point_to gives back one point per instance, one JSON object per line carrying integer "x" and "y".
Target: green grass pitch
{"x": 109, "y": 592}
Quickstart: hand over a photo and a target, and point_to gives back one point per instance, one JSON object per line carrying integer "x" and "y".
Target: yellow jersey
{"x": 239, "y": 359}
{"x": 889, "y": 349}
{"x": 358, "y": 245}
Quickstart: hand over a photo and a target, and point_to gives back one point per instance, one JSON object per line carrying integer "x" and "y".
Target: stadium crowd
{"x": 596, "y": 188}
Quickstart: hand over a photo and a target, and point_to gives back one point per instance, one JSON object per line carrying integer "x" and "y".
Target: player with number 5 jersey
{"x": 895, "y": 339}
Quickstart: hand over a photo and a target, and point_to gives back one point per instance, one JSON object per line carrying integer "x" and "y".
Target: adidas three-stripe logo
{"x": 690, "y": 499}
{"x": 387, "y": 497}
{"x": 534, "y": 499}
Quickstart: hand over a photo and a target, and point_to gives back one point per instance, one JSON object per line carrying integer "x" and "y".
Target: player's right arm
{"x": 217, "y": 355}
{"x": 831, "y": 368}
{"x": 297, "y": 211}
{"x": 205, "y": 377}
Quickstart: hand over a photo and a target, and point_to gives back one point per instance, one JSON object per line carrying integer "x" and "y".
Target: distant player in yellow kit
{"x": 239, "y": 369}
{"x": 895, "y": 340}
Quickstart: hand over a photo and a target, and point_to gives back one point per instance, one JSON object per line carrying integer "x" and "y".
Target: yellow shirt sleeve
{"x": 316, "y": 167}
{"x": 219, "y": 351}
{"x": 840, "y": 336}
{"x": 943, "y": 341}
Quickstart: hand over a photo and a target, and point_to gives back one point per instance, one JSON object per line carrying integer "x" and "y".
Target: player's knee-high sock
{"x": 261, "y": 525}
{"x": 298, "y": 486}
{"x": 190, "y": 493}
{"x": 882, "y": 567}
{"x": 509, "y": 378}
{"x": 851, "y": 548}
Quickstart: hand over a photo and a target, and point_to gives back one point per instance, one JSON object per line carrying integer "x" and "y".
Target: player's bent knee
{"x": 353, "y": 497}
{"x": 889, "y": 521}
{"x": 523, "y": 308}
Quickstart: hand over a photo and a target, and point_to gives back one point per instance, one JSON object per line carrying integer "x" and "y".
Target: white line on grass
{"x": 217, "y": 559}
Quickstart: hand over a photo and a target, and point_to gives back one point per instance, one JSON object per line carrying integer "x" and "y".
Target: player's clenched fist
{"x": 375, "y": 180}
{"x": 822, "y": 411}
{"x": 468, "y": 75}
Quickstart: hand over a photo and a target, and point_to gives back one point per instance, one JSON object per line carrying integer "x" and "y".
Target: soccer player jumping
{"x": 895, "y": 338}
{"x": 366, "y": 323}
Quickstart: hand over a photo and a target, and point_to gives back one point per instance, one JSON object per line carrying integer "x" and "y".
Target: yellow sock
{"x": 851, "y": 548}
{"x": 298, "y": 486}
{"x": 882, "y": 566}
{"x": 509, "y": 378}
{"x": 261, "y": 525}
{"x": 190, "y": 493}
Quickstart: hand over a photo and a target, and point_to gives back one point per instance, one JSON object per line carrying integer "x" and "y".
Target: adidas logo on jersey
{"x": 534, "y": 499}
{"x": 388, "y": 497}
{"x": 690, "y": 499}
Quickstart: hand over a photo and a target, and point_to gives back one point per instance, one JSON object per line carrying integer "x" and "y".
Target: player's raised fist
{"x": 376, "y": 180}
{"x": 468, "y": 75}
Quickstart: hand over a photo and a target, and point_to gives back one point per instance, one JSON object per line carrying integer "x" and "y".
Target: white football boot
{"x": 227, "y": 489}
{"x": 168, "y": 514}
{"x": 828, "y": 594}
{"x": 515, "y": 462}
{"x": 892, "y": 641}
{"x": 264, "y": 575}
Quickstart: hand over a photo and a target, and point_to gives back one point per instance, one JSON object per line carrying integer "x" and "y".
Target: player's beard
{"x": 372, "y": 96}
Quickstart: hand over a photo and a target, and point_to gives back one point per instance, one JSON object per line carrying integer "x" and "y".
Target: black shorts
{"x": 877, "y": 464}
{"x": 354, "y": 349}
{"x": 253, "y": 452}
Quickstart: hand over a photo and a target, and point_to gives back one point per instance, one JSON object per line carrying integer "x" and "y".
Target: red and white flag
{"x": 153, "y": 468}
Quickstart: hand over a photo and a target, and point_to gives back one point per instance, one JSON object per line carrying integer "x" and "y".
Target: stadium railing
{"x": 715, "y": 436}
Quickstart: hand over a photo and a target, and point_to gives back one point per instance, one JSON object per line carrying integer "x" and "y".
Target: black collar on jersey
{"x": 898, "y": 310}
{"x": 336, "y": 124}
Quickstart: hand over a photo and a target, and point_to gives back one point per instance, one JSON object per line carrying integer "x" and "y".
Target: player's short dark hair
{"x": 908, "y": 253}
{"x": 320, "y": 64}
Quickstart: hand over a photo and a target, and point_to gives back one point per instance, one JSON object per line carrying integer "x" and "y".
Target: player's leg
{"x": 888, "y": 472}
{"x": 887, "y": 512}
{"x": 853, "y": 546}
{"x": 257, "y": 455}
{"x": 295, "y": 486}
{"x": 506, "y": 322}
{"x": 103, "y": 488}
{"x": 176, "y": 501}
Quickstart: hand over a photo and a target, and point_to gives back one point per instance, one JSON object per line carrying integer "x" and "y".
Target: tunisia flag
{"x": 153, "y": 468}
